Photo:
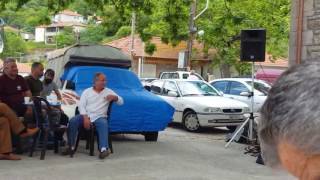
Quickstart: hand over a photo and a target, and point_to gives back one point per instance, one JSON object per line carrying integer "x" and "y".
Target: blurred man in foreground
{"x": 289, "y": 129}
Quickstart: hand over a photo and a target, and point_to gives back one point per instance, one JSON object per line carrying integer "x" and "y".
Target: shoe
{"x": 67, "y": 151}
{"x": 29, "y": 132}
{"x": 104, "y": 154}
{"x": 9, "y": 157}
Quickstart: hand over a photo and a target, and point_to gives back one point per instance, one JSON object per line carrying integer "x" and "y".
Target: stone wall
{"x": 311, "y": 31}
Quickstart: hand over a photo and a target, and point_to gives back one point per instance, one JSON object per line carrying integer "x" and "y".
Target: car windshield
{"x": 262, "y": 87}
{"x": 196, "y": 88}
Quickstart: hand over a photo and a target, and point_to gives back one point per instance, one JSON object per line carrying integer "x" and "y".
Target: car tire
{"x": 232, "y": 128}
{"x": 191, "y": 122}
{"x": 151, "y": 136}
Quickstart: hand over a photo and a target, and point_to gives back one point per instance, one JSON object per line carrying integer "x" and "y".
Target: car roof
{"x": 187, "y": 80}
{"x": 237, "y": 79}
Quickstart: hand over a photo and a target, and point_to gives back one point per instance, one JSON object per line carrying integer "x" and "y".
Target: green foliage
{"x": 14, "y": 45}
{"x": 32, "y": 14}
{"x": 224, "y": 20}
{"x": 169, "y": 19}
{"x": 65, "y": 38}
{"x": 123, "y": 31}
{"x": 93, "y": 34}
{"x": 30, "y": 46}
{"x": 150, "y": 48}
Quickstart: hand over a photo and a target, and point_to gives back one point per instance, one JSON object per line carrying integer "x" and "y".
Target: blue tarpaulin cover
{"x": 142, "y": 111}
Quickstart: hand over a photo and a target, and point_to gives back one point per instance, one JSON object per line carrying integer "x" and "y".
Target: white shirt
{"x": 94, "y": 104}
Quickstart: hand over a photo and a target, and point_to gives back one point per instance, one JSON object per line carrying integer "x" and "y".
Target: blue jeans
{"x": 101, "y": 126}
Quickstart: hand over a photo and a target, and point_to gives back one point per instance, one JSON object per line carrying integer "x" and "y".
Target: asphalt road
{"x": 178, "y": 155}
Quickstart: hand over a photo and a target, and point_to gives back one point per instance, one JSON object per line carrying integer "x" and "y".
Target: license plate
{"x": 235, "y": 116}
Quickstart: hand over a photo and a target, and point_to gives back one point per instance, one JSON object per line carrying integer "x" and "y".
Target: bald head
{"x": 10, "y": 67}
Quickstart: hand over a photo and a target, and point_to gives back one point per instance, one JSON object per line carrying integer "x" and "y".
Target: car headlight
{"x": 246, "y": 110}
{"x": 212, "y": 110}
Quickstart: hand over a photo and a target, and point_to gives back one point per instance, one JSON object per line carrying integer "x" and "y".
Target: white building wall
{"x": 67, "y": 18}
{"x": 39, "y": 34}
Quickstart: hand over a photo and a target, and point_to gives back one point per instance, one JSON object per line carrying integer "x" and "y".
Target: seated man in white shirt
{"x": 93, "y": 107}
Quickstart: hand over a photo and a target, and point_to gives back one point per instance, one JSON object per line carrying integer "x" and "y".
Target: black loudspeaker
{"x": 253, "y": 45}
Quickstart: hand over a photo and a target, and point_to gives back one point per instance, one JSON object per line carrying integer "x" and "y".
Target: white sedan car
{"x": 198, "y": 104}
{"x": 240, "y": 88}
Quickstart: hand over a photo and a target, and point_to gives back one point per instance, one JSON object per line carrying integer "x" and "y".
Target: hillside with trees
{"x": 168, "y": 19}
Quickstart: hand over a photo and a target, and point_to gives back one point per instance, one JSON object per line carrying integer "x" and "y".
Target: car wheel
{"x": 191, "y": 122}
{"x": 151, "y": 136}
{"x": 232, "y": 128}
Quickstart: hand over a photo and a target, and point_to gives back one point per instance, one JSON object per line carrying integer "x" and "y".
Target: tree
{"x": 225, "y": 19}
{"x": 168, "y": 19}
{"x": 65, "y": 38}
{"x": 32, "y": 14}
{"x": 14, "y": 44}
{"x": 93, "y": 34}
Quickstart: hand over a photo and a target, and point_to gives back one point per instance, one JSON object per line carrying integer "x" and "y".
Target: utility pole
{"x": 133, "y": 28}
{"x": 192, "y": 31}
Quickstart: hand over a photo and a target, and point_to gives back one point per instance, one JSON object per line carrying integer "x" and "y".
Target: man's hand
{"x": 86, "y": 122}
{"x": 110, "y": 98}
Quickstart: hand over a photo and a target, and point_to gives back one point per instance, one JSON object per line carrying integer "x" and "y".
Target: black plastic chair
{"x": 90, "y": 135}
{"x": 47, "y": 124}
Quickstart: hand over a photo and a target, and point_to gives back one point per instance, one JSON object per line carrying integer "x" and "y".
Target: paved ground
{"x": 178, "y": 155}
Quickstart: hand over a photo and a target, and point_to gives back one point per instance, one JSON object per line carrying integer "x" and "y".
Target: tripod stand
{"x": 250, "y": 119}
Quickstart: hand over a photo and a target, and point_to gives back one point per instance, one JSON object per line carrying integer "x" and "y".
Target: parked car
{"x": 240, "y": 88}
{"x": 197, "y": 104}
{"x": 178, "y": 75}
{"x": 268, "y": 75}
{"x": 147, "y": 81}
{"x": 142, "y": 111}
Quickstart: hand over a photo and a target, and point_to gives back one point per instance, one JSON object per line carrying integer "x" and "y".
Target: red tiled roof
{"x": 280, "y": 62}
{"x": 22, "y": 67}
{"x": 163, "y": 50}
{"x": 69, "y": 13}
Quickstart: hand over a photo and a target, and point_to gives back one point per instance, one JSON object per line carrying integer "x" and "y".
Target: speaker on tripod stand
{"x": 253, "y": 49}
{"x": 253, "y": 45}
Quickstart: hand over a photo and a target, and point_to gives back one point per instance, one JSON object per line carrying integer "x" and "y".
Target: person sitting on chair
{"x": 49, "y": 85}
{"x": 93, "y": 106}
{"x": 289, "y": 128}
{"x": 13, "y": 89}
{"x": 33, "y": 80}
{"x": 10, "y": 122}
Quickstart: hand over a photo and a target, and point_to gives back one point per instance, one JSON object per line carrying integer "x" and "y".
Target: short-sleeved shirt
{"x": 35, "y": 85}
{"x": 11, "y": 93}
{"x": 48, "y": 88}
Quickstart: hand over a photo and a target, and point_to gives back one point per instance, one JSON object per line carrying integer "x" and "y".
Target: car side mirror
{"x": 148, "y": 88}
{"x": 172, "y": 94}
{"x": 245, "y": 94}
{"x": 221, "y": 93}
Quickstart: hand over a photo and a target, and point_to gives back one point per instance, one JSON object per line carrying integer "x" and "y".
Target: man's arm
{"x": 114, "y": 97}
{"x": 56, "y": 90}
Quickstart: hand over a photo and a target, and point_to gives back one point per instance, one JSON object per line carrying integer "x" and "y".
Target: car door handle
{"x": 231, "y": 97}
